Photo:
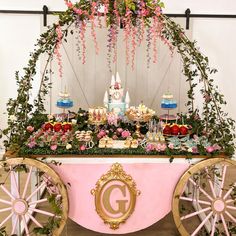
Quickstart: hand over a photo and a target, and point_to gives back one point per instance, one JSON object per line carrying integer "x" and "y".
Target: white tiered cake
{"x": 115, "y": 101}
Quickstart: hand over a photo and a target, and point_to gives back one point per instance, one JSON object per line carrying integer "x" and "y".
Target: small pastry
{"x": 134, "y": 144}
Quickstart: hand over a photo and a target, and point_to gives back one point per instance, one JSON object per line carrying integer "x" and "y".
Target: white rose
{"x": 68, "y": 146}
{"x": 74, "y": 121}
{"x": 12, "y": 118}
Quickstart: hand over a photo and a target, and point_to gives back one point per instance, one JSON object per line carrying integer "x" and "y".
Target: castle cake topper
{"x": 114, "y": 100}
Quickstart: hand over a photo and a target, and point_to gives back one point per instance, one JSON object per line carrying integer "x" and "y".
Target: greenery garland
{"x": 218, "y": 127}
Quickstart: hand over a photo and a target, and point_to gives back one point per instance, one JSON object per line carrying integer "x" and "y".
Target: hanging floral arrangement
{"x": 131, "y": 16}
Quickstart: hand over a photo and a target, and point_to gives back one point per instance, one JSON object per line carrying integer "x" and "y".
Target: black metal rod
{"x": 168, "y": 14}
{"x": 45, "y": 12}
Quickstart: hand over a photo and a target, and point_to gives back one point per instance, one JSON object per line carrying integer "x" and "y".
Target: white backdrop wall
{"x": 216, "y": 38}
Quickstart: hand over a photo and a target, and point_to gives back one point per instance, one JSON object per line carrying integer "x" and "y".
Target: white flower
{"x": 74, "y": 121}
{"x": 68, "y": 146}
{"x": 50, "y": 117}
{"x": 12, "y": 118}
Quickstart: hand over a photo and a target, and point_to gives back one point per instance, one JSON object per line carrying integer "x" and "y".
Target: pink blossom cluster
{"x": 57, "y": 49}
{"x": 159, "y": 147}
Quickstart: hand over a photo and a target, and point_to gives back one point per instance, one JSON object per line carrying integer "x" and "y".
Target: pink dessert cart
{"x": 199, "y": 191}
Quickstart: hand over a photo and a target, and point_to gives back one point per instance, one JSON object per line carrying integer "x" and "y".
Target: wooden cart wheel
{"x": 33, "y": 199}
{"x": 204, "y": 201}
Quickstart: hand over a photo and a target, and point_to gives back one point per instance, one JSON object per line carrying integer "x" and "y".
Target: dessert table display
{"x": 118, "y": 168}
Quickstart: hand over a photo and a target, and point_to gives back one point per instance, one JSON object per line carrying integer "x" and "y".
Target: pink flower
{"x": 69, "y": 4}
{"x": 31, "y": 144}
{"x": 194, "y": 150}
{"x": 112, "y": 119}
{"x": 163, "y": 147}
{"x": 30, "y": 129}
{"x": 210, "y": 149}
{"x": 119, "y": 130}
{"x": 99, "y": 136}
{"x": 217, "y": 147}
{"x": 114, "y": 137}
{"x": 102, "y": 133}
{"x": 53, "y": 147}
{"x": 149, "y": 147}
{"x": 171, "y": 146}
{"x": 125, "y": 134}
{"x": 79, "y": 11}
{"x": 82, "y": 148}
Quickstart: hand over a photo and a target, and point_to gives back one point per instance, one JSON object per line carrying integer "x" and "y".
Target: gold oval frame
{"x": 116, "y": 173}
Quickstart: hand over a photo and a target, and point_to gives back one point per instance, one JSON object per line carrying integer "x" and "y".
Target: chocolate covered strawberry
{"x": 175, "y": 129}
{"x": 67, "y": 127}
{"x": 57, "y": 127}
{"x": 48, "y": 126}
{"x": 167, "y": 130}
{"x": 183, "y": 130}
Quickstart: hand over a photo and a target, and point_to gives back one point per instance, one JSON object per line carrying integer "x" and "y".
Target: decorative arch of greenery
{"x": 216, "y": 124}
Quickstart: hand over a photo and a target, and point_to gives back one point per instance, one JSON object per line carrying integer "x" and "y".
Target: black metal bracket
{"x": 45, "y": 13}
{"x": 187, "y": 13}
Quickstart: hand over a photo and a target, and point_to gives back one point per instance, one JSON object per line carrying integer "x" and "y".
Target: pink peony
{"x": 171, "y": 146}
{"x": 163, "y": 147}
{"x": 102, "y": 133}
{"x": 210, "y": 149}
{"x": 125, "y": 134}
{"x": 82, "y": 148}
{"x": 53, "y": 147}
{"x": 149, "y": 147}
{"x": 30, "y": 129}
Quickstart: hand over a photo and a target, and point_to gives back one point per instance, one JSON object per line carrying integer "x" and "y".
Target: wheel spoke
{"x": 210, "y": 183}
{"x": 34, "y": 220}
{"x": 6, "y": 209}
{"x": 39, "y": 201}
{"x": 6, "y": 219}
{"x": 7, "y": 192}
{"x": 6, "y": 202}
{"x": 213, "y": 228}
{"x": 203, "y": 222}
{"x": 15, "y": 224}
{"x": 195, "y": 200}
{"x": 27, "y": 182}
{"x": 232, "y": 208}
{"x": 35, "y": 191}
{"x": 203, "y": 191}
{"x": 223, "y": 180}
{"x": 41, "y": 212}
{"x": 229, "y": 191}
{"x": 195, "y": 213}
{"x": 25, "y": 226}
{"x": 230, "y": 216}
{"x": 13, "y": 178}
{"x": 224, "y": 224}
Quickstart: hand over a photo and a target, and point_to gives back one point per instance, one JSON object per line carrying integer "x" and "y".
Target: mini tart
{"x": 127, "y": 143}
{"x": 134, "y": 144}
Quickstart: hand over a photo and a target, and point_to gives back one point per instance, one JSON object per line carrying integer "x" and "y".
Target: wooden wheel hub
{"x": 218, "y": 205}
{"x": 20, "y": 206}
